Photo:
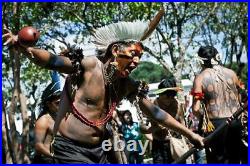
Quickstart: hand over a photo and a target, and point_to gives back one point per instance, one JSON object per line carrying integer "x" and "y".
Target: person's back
{"x": 216, "y": 87}
{"x": 219, "y": 87}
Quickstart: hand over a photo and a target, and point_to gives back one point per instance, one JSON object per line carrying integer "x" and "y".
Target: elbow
{"x": 158, "y": 114}
{"x": 38, "y": 147}
{"x": 153, "y": 111}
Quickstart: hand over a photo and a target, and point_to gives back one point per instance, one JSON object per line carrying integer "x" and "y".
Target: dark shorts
{"x": 42, "y": 159}
{"x": 69, "y": 151}
{"x": 161, "y": 152}
{"x": 225, "y": 148}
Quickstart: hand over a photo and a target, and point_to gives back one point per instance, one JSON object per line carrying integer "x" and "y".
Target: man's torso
{"x": 91, "y": 101}
{"x": 220, "y": 91}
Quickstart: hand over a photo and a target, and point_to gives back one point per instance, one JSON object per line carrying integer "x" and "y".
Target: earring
{"x": 217, "y": 57}
{"x": 114, "y": 63}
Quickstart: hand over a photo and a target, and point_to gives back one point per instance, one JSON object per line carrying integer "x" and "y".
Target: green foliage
{"x": 149, "y": 72}
{"x": 57, "y": 20}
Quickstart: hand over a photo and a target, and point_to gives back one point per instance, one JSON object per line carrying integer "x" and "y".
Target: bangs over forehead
{"x": 122, "y": 45}
{"x": 137, "y": 45}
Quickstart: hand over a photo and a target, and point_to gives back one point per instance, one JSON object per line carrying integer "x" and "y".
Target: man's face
{"x": 54, "y": 104}
{"x": 128, "y": 59}
{"x": 166, "y": 99}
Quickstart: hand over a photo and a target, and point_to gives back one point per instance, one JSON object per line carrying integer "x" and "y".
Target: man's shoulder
{"x": 229, "y": 71}
{"x": 206, "y": 73}
{"x": 90, "y": 62}
{"x": 44, "y": 119}
{"x": 200, "y": 76}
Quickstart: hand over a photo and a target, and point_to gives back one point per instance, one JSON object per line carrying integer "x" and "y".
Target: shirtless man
{"x": 45, "y": 123}
{"x": 166, "y": 101}
{"x": 217, "y": 87}
{"x": 94, "y": 86}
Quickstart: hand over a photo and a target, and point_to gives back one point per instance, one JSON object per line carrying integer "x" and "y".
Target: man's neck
{"x": 130, "y": 123}
{"x": 109, "y": 72}
{"x": 53, "y": 114}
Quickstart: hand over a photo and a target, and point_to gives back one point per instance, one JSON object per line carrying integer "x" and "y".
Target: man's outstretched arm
{"x": 162, "y": 117}
{"x": 38, "y": 56}
{"x": 47, "y": 60}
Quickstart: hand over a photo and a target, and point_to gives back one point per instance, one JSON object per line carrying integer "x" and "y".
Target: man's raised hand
{"x": 9, "y": 37}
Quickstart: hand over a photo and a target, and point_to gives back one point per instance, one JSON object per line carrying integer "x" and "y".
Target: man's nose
{"x": 135, "y": 61}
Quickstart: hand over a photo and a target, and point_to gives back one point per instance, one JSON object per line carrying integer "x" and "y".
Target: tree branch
{"x": 200, "y": 25}
{"x": 160, "y": 59}
{"x": 170, "y": 45}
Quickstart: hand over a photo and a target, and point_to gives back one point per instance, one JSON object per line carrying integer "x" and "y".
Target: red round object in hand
{"x": 28, "y": 36}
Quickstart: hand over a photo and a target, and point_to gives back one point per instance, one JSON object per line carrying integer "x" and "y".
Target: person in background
{"x": 46, "y": 120}
{"x": 167, "y": 101}
{"x": 131, "y": 131}
{"x": 216, "y": 92}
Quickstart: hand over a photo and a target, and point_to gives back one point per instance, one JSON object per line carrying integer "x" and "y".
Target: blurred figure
{"x": 45, "y": 122}
{"x": 167, "y": 101}
{"x": 216, "y": 87}
{"x": 131, "y": 131}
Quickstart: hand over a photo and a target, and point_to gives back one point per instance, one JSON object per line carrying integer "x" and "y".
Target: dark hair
{"x": 126, "y": 112}
{"x": 168, "y": 83}
{"x": 50, "y": 93}
{"x": 44, "y": 106}
{"x": 208, "y": 52}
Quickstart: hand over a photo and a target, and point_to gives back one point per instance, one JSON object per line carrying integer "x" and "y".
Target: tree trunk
{"x": 25, "y": 134}
{"x": 18, "y": 97}
{"x": 13, "y": 132}
{"x": 6, "y": 153}
{"x": 20, "y": 151}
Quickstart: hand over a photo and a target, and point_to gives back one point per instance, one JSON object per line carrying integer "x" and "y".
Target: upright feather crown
{"x": 125, "y": 31}
{"x": 120, "y": 31}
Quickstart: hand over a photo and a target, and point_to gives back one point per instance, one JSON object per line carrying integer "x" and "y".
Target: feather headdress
{"x": 122, "y": 31}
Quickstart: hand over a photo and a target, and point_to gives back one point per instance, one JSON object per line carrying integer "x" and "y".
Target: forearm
{"x": 47, "y": 60}
{"x": 36, "y": 55}
{"x": 42, "y": 149}
{"x": 163, "y": 118}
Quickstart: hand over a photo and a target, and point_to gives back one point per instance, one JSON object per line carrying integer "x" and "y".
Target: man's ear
{"x": 115, "y": 49}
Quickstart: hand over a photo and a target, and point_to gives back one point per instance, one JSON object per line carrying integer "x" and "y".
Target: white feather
{"x": 120, "y": 31}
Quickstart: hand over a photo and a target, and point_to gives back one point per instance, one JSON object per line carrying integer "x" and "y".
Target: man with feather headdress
{"x": 94, "y": 87}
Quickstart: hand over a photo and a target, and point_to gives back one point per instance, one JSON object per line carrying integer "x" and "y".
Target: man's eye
{"x": 133, "y": 53}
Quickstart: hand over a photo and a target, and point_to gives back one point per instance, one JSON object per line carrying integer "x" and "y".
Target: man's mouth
{"x": 125, "y": 73}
